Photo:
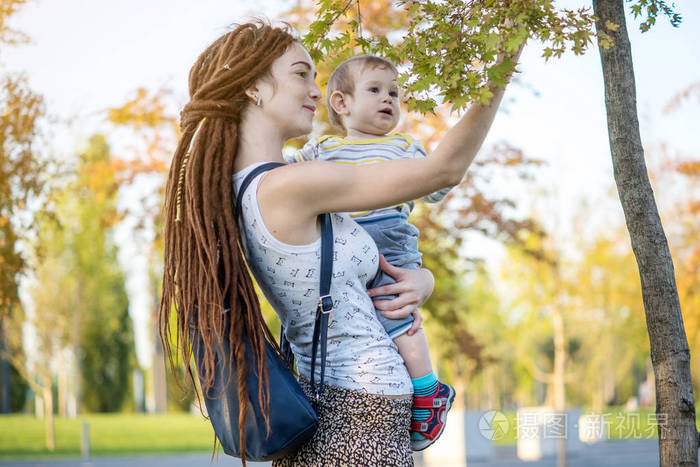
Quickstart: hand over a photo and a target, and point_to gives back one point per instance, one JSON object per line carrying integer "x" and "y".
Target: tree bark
{"x": 160, "y": 382}
{"x": 48, "y": 417}
{"x": 675, "y": 406}
{"x": 558, "y": 376}
{"x": 4, "y": 377}
{"x": 62, "y": 383}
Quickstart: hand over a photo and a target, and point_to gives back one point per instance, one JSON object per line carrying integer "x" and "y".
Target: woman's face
{"x": 289, "y": 97}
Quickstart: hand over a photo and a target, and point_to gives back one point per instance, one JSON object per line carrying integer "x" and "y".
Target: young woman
{"x": 250, "y": 91}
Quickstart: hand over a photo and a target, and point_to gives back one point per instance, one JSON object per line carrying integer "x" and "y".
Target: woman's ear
{"x": 338, "y": 102}
{"x": 253, "y": 94}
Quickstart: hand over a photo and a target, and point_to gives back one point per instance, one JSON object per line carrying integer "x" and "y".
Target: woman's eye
{"x": 302, "y": 74}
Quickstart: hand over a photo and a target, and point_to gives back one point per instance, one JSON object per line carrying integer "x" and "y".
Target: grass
{"x": 22, "y": 436}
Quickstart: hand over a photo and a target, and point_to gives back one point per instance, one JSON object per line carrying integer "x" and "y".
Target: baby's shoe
{"x": 426, "y": 432}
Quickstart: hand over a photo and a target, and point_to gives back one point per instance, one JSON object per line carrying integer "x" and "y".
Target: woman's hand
{"x": 413, "y": 287}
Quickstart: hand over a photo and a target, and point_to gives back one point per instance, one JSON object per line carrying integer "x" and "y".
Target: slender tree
{"x": 670, "y": 356}
{"x": 155, "y": 130}
{"x": 23, "y": 177}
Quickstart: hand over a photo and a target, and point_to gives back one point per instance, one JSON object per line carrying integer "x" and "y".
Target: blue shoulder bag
{"x": 293, "y": 419}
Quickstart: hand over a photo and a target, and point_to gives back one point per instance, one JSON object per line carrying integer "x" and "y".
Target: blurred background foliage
{"x": 492, "y": 324}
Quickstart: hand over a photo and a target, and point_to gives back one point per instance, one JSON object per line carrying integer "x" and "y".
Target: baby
{"x": 363, "y": 100}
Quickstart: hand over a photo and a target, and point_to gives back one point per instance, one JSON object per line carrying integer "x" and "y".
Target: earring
{"x": 259, "y": 101}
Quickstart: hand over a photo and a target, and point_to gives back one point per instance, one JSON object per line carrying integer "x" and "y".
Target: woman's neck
{"x": 258, "y": 141}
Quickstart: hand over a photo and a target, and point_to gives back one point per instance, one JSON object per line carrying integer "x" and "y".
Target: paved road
{"x": 170, "y": 460}
{"x": 631, "y": 453}
{"x": 628, "y": 453}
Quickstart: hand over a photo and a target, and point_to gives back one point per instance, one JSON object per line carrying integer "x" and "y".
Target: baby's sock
{"x": 423, "y": 386}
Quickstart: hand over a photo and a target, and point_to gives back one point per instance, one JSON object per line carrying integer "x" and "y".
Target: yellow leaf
{"x": 611, "y": 26}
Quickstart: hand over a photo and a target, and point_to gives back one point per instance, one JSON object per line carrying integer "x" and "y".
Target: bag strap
{"x": 325, "y": 304}
{"x": 250, "y": 177}
{"x": 285, "y": 347}
{"x": 325, "y": 301}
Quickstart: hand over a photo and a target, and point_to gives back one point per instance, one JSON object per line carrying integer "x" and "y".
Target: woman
{"x": 250, "y": 91}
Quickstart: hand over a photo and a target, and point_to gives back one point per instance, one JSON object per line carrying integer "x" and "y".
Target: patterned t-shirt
{"x": 361, "y": 356}
{"x": 367, "y": 151}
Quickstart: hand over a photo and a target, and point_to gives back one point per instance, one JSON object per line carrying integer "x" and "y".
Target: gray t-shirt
{"x": 361, "y": 356}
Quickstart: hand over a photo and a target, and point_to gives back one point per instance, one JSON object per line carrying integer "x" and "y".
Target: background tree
{"x": 609, "y": 320}
{"x": 106, "y": 354}
{"x": 79, "y": 287}
{"x": 22, "y": 179}
{"x": 9, "y": 35}
{"x": 146, "y": 120}
{"x": 23, "y": 176}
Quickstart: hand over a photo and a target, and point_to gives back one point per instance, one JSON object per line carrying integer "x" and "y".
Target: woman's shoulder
{"x": 241, "y": 174}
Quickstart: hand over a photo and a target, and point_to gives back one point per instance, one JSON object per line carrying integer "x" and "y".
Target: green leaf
{"x": 485, "y": 95}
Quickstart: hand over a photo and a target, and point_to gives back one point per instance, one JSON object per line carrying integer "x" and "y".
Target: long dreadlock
{"x": 204, "y": 265}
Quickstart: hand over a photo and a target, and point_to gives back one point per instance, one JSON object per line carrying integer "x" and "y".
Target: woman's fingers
{"x": 405, "y": 311}
{"x": 396, "y": 288}
{"x": 405, "y": 299}
{"x": 390, "y": 269}
{"x": 417, "y": 321}
{"x": 412, "y": 288}
{"x": 424, "y": 284}
{"x": 399, "y": 312}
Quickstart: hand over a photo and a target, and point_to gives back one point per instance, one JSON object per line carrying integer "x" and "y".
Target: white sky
{"x": 88, "y": 55}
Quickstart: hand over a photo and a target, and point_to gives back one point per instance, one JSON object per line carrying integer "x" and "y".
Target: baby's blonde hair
{"x": 343, "y": 80}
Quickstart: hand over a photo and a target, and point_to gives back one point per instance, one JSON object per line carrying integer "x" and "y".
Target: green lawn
{"x": 22, "y": 436}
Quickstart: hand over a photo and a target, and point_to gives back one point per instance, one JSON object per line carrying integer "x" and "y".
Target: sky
{"x": 89, "y": 55}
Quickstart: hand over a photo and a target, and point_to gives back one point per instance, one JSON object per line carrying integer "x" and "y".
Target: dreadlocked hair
{"x": 204, "y": 267}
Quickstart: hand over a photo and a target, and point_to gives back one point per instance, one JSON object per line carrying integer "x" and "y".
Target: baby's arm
{"x": 307, "y": 153}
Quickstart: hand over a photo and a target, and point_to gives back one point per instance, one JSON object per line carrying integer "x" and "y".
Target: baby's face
{"x": 374, "y": 106}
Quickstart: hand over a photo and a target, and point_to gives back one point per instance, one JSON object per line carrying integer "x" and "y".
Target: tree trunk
{"x": 675, "y": 407}
{"x": 48, "y": 417}
{"x": 62, "y": 383}
{"x": 160, "y": 381}
{"x": 73, "y": 406}
{"x": 4, "y": 377}
{"x": 650, "y": 382}
{"x": 76, "y": 347}
{"x": 558, "y": 378}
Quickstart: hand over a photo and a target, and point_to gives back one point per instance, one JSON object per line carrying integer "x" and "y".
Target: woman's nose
{"x": 316, "y": 92}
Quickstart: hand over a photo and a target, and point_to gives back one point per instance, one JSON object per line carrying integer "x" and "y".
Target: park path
{"x": 631, "y": 453}
{"x": 163, "y": 460}
{"x": 628, "y": 453}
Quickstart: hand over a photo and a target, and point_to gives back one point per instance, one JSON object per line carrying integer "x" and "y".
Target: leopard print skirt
{"x": 356, "y": 429}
